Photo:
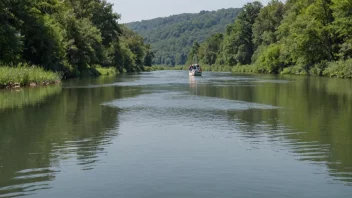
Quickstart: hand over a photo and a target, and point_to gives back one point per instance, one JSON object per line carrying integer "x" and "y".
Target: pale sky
{"x": 137, "y": 10}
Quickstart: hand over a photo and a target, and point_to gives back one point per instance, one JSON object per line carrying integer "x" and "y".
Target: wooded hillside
{"x": 172, "y": 37}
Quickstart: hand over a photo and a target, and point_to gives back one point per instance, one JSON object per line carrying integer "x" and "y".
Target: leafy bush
{"x": 270, "y": 60}
{"x": 294, "y": 70}
{"x": 317, "y": 69}
{"x": 106, "y": 70}
{"x": 340, "y": 69}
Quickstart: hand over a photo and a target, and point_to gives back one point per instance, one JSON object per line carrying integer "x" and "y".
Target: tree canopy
{"x": 68, "y": 36}
{"x": 307, "y": 34}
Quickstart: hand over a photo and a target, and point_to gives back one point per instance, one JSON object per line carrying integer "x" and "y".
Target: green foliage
{"x": 172, "y": 37}
{"x": 267, "y": 22}
{"x": 343, "y": 26}
{"x": 295, "y": 70}
{"x": 297, "y": 37}
{"x": 134, "y": 48}
{"x": 238, "y": 46}
{"x": 340, "y": 69}
{"x": 25, "y": 74}
{"x": 83, "y": 50}
{"x": 10, "y": 38}
{"x": 106, "y": 70}
{"x": 148, "y": 59}
{"x": 162, "y": 67}
{"x": 209, "y": 50}
{"x": 303, "y": 37}
{"x": 310, "y": 36}
{"x": 68, "y": 36}
{"x": 193, "y": 54}
{"x": 318, "y": 69}
{"x": 245, "y": 69}
{"x": 271, "y": 60}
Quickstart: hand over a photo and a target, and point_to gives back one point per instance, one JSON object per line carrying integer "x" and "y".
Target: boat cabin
{"x": 195, "y": 67}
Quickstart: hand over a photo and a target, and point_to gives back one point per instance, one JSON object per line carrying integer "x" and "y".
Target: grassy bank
{"x": 338, "y": 69}
{"x": 24, "y": 75}
{"x": 28, "y": 75}
{"x": 214, "y": 68}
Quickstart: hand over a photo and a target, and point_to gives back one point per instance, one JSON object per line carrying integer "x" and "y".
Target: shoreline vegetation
{"x": 25, "y": 75}
{"x": 337, "y": 69}
{"x": 43, "y": 42}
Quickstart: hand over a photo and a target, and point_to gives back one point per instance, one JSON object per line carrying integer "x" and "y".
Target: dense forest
{"x": 171, "y": 38}
{"x": 311, "y": 37}
{"x": 69, "y": 36}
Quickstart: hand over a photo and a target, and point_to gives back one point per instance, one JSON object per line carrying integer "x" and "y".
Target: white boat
{"x": 195, "y": 70}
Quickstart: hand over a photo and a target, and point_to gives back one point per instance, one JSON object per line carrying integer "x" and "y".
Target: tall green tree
{"x": 343, "y": 26}
{"x": 133, "y": 50}
{"x": 36, "y": 35}
{"x": 267, "y": 23}
{"x": 308, "y": 32}
{"x": 210, "y": 49}
{"x": 193, "y": 54}
{"x": 148, "y": 59}
{"x": 11, "y": 44}
{"x": 238, "y": 46}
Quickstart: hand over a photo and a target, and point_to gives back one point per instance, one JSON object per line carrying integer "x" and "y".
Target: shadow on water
{"x": 68, "y": 126}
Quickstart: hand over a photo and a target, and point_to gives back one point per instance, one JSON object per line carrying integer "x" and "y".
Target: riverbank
{"x": 107, "y": 71}
{"x": 162, "y": 67}
{"x": 337, "y": 69}
{"x": 25, "y": 75}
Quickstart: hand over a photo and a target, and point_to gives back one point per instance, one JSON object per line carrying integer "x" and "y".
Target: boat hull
{"x": 195, "y": 73}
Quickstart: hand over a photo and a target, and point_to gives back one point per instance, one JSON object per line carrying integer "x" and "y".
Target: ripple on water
{"x": 84, "y": 153}
{"x": 183, "y": 100}
{"x": 26, "y": 182}
{"x": 185, "y": 106}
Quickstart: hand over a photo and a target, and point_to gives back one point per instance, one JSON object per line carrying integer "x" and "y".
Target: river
{"x": 165, "y": 134}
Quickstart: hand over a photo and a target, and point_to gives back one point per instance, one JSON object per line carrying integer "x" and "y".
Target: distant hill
{"x": 172, "y": 37}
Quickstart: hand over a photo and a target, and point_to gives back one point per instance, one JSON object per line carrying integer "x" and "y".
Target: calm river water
{"x": 165, "y": 134}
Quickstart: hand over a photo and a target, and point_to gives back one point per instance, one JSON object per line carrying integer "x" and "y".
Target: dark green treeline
{"x": 69, "y": 36}
{"x": 298, "y": 37}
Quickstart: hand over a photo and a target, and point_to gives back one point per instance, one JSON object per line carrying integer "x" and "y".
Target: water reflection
{"x": 313, "y": 121}
{"x": 70, "y": 127}
{"x": 192, "y": 82}
{"x": 12, "y": 99}
{"x": 307, "y": 119}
